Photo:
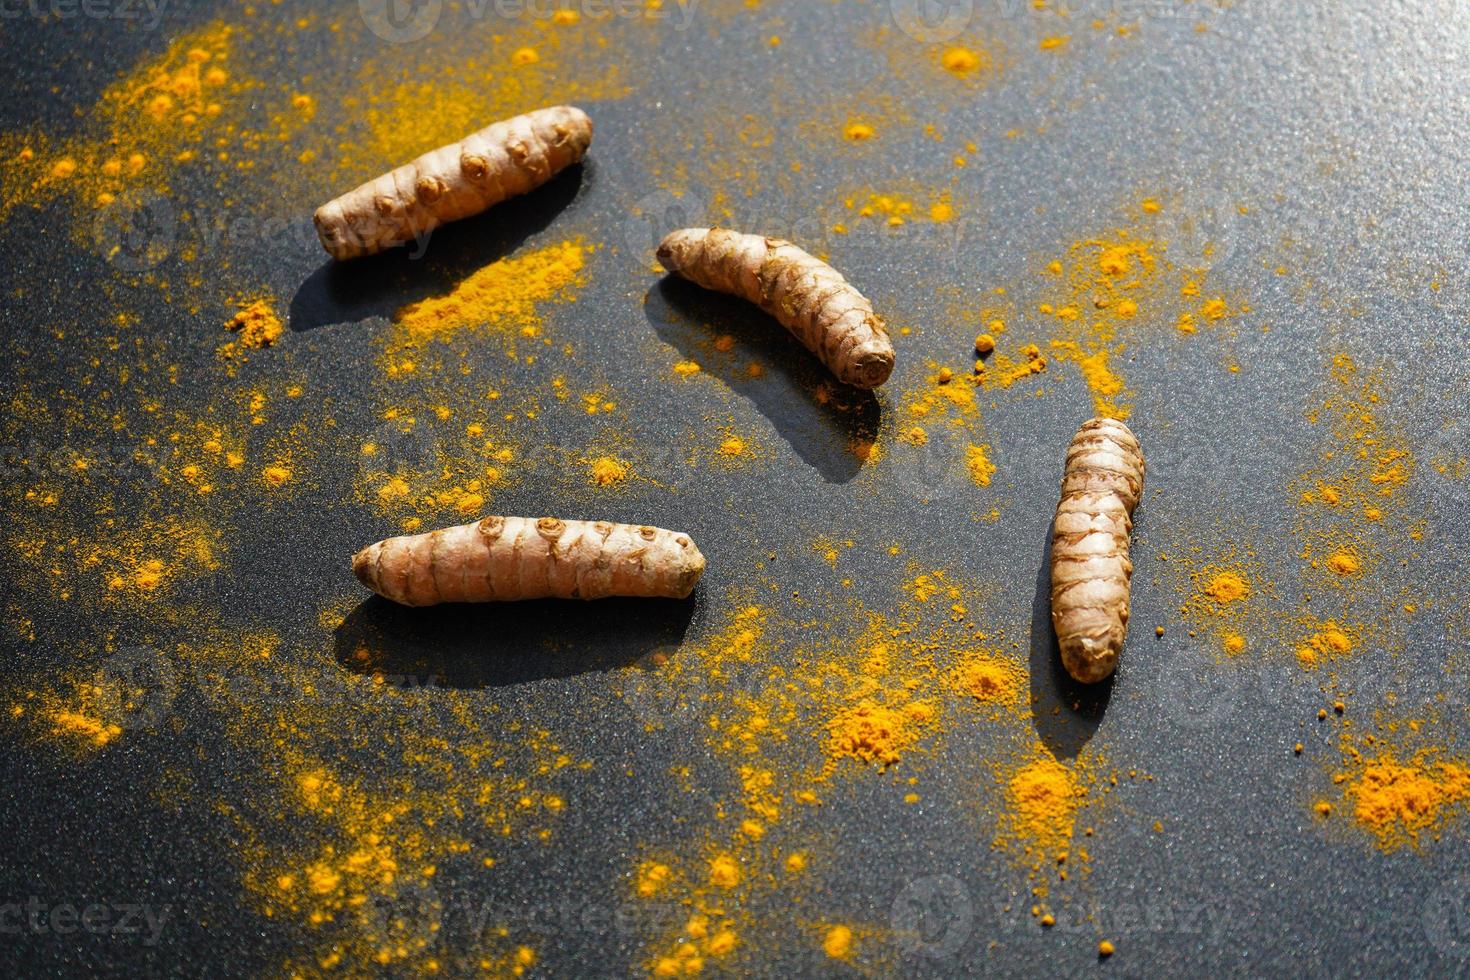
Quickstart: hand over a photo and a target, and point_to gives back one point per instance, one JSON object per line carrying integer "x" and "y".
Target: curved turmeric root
{"x": 808, "y": 296}
{"x": 501, "y": 161}
{"x": 503, "y": 559}
{"x": 1090, "y": 567}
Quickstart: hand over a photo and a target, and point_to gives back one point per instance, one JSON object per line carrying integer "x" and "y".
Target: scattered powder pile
{"x": 1226, "y": 587}
{"x": 1326, "y": 641}
{"x": 877, "y": 733}
{"x": 605, "y": 471}
{"x": 504, "y": 296}
{"x": 1398, "y": 801}
{"x": 990, "y": 678}
{"x": 255, "y": 325}
{"x": 1043, "y": 798}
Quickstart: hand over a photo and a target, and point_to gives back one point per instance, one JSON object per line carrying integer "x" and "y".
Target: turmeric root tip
{"x": 504, "y": 559}
{"x": 1090, "y": 568}
{"x": 457, "y": 181}
{"x": 807, "y": 296}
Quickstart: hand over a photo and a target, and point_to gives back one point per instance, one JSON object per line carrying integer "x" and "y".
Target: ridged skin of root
{"x": 809, "y": 297}
{"x": 501, "y": 161}
{"x": 505, "y": 559}
{"x": 1090, "y": 568}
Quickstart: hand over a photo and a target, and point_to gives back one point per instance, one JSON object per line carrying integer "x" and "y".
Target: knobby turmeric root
{"x": 502, "y": 559}
{"x": 1090, "y": 567}
{"x": 501, "y": 161}
{"x": 808, "y": 296}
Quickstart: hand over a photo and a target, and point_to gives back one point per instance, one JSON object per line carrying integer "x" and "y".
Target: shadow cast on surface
{"x": 507, "y": 643}
{"x": 820, "y": 417}
{"x": 378, "y": 285}
{"x": 1066, "y": 714}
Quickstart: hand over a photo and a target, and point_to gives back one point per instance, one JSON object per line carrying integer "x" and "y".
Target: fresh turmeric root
{"x": 808, "y": 296}
{"x": 503, "y": 559}
{"x": 457, "y": 181}
{"x": 1090, "y": 567}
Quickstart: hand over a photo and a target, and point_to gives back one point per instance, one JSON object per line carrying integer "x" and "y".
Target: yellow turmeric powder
{"x": 503, "y": 296}
{"x": 606, "y": 471}
{"x": 990, "y": 678}
{"x": 1043, "y": 796}
{"x": 877, "y": 733}
{"x": 1398, "y": 802}
{"x": 256, "y": 325}
{"x": 1228, "y": 586}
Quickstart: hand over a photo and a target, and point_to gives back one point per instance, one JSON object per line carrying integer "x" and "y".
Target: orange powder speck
{"x": 524, "y": 56}
{"x": 605, "y": 471}
{"x": 876, "y": 733}
{"x": 724, "y": 871}
{"x": 1234, "y": 644}
{"x": 977, "y": 462}
{"x": 1043, "y": 795}
{"x": 686, "y": 368}
{"x": 1055, "y": 42}
{"x": 989, "y": 678}
{"x": 149, "y": 574}
{"x": 1330, "y": 640}
{"x": 915, "y": 436}
{"x": 1344, "y": 563}
{"x": 961, "y": 61}
{"x": 652, "y": 877}
{"x": 257, "y": 324}
{"x": 795, "y": 863}
{"x": 93, "y": 729}
{"x": 838, "y": 942}
{"x": 276, "y": 476}
{"x": 858, "y": 132}
{"x": 1228, "y": 587}
{"x": 1105, "y": 385}
{"x": 1399, "y": 801}
{"x": 865, "y": 450}
{"x": 732, "y": 446}
{"x": 501, "y": 296}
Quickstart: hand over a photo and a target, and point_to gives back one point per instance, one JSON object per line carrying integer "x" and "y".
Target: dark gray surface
{"x": 1343, "y": 127}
